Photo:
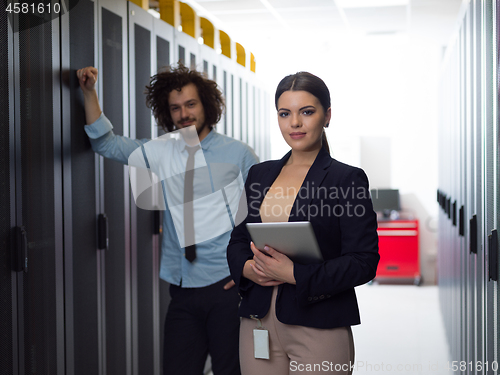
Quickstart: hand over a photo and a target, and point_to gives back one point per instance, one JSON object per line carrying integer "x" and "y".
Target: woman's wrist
{"x": 247, "y": 269}
{"x": 291, "y": 276}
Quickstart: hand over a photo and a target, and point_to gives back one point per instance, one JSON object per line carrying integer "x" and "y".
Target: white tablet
{"x": 294, "y": 239}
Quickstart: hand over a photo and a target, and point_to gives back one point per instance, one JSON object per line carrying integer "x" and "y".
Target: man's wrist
{"x": 90, "y": 94}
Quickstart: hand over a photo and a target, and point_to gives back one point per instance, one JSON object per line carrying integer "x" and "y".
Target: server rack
{"x": 83, "y": 294}
{"x": 469, "y": 171}
{"x": 145, "y": 224}
{"x": 164, "y": 47}
{"x": 226, "y": 66}
{"x": 79, "y": 262}
{"x": 490, "y": 94}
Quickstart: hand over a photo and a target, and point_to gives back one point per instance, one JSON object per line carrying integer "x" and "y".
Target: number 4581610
{"x": 479, "y": 366}
{"x": 39, "y": 8}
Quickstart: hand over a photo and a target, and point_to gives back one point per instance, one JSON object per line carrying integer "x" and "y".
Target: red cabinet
{"x": 399, "y": 251}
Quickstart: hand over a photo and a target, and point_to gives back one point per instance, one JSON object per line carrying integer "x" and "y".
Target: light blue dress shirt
{"x": 210, "y": 265}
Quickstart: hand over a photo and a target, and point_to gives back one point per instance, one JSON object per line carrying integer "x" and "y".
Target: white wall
{"x": 376, "y": 160}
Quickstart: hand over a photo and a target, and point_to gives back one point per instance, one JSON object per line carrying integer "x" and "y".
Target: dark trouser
{"x": 201, "y": 321}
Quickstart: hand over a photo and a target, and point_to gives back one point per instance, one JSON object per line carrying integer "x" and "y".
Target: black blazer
{"x": 335, "y": 198}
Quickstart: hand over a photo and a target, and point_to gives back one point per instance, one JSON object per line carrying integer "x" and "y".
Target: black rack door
{"x": 83, "y": 297}
{"x": 8, "y": 316}
{"x": 145, "y": 237}
{"x": 115, "y": 261}
{"x": 31, "y": 205}
{"x": 164, "y": 37}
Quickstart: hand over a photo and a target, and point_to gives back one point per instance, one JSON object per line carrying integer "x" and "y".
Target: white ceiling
{"x": 253, "y": 22}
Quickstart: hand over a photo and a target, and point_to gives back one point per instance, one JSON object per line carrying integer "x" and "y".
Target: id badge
{"x": 260, "y": 340}
{"x": 261, "y": 343}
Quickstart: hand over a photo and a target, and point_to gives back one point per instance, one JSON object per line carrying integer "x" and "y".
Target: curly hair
{"x": 169, "y": 79}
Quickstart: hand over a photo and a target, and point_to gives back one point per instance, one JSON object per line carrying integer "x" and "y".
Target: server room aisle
{"x": 401, "y": 331}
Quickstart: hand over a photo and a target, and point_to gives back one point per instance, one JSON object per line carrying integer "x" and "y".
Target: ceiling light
{"x": 371, "y": 3}
{"x": 154, "y": 13}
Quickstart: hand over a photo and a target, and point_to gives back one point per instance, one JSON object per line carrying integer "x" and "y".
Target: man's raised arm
{"x": 87, "y": 78}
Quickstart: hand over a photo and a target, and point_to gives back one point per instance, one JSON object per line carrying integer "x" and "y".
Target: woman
{"x": 307, "y": 309}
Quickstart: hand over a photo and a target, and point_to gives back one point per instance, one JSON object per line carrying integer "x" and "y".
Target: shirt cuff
{"x": 99, "y": 127}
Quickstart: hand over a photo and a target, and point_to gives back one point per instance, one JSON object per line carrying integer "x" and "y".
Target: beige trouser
{"x": 296, "y": 349}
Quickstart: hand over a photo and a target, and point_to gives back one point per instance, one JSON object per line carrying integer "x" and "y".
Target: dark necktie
{"x": 190, "y": 250}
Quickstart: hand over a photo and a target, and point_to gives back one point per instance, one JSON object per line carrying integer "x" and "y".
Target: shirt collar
{"x": 207, "y": 141}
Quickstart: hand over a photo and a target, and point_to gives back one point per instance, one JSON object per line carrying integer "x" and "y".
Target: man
{"x": 202, "y": 316}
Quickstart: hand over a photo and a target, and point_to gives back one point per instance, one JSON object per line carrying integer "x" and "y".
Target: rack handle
{"x": 19, "y": 249}
{"x": 473, "y": 234}
{"x": 461, "y": 224}
{"x": 102, "y": 232}
{"x": 493, "y": 255}
{"x": 156, "y": 222}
